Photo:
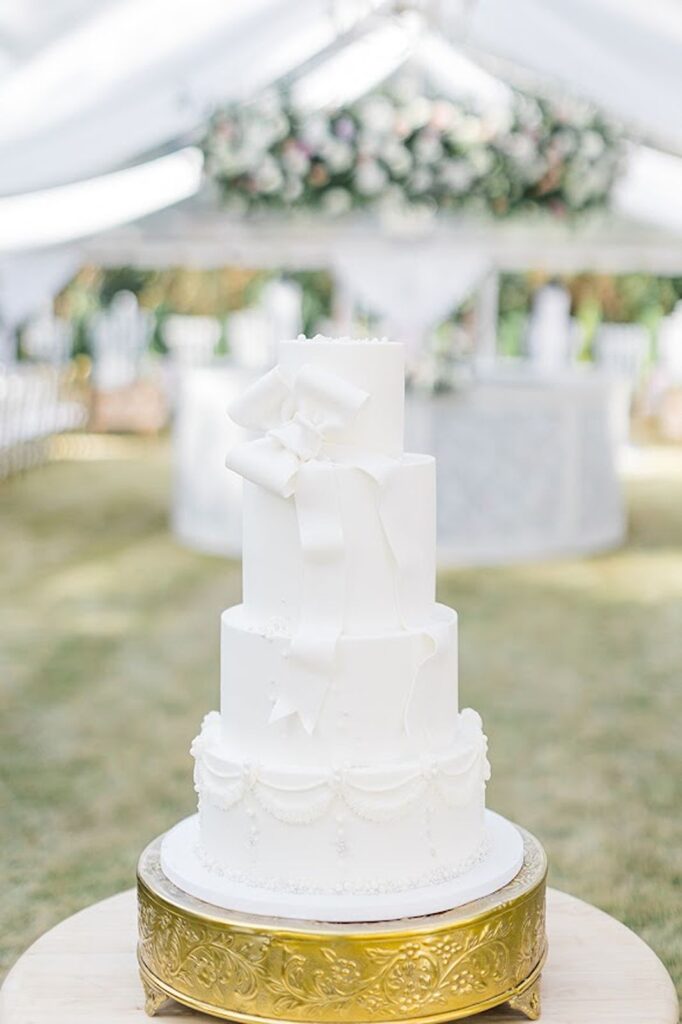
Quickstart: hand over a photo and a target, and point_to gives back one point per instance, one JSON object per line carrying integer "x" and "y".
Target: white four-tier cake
{"x": 340, "y": 780}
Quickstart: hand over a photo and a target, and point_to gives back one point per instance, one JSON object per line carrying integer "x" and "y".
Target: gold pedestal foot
{"x": 154, "y": 998}
{"x": 528, "y": 1002}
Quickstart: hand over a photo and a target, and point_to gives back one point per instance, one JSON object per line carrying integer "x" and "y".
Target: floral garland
{"x": 400, "y": 149}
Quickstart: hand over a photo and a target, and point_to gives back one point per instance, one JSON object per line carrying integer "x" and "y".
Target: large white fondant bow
{"x": 299, "y": 420}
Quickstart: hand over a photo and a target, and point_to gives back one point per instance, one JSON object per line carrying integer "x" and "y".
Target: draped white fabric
{"x": 413, "y": 287}
{"x": 69, "y": 212}
{"x": 29, "y": 280}
{"x": 142, "y": 73}
{"x": 87, "y": 88}
{"x": 622, "y": 54}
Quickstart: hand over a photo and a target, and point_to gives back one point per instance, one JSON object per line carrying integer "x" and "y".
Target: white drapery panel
{"x": 411, "y": 287}
{"x": 67, "y": 212}
{"x": 143, "y": 73}
{"x": 29, "y": 280}
{"x": 623, "y": 55}
{"x": 650, "y": 190}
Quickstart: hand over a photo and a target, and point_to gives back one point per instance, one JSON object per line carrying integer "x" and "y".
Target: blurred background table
{"x": 85, "y": 970}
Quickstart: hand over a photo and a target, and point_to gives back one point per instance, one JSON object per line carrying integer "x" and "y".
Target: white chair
{"x": 8, "y": 347}
{"x": 250, "y": 339}
{"x": 48, "y": 339}
{"x": 622, "y": 352}
{"x": 669, "y": 356}
{"x": 549, "y": 338}
{"x": 191, "y": 340}
{"x": 282, "y": 303}
{"x": 31, "y": 411}
{"x": 120, "y": 335}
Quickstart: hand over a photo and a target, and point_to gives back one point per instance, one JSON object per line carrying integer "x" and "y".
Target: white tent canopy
{"x": 624, "y": 55}
{"x": 108, "y": 83}
{"x": 101, "y": 103}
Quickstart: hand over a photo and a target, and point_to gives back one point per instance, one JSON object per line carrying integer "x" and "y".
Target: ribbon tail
{"x": 311, "y": 658}
{"x": 435, "y": 642}
{"x": 306, "y": 681}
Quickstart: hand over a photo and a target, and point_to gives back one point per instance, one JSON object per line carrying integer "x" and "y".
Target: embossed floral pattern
{"x": 308, "y": 978}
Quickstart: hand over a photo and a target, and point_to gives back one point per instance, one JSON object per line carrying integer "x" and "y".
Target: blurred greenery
{"x": 626, "y": 298}
{"x": 638, "y": 298}
{"x": 110, "y": 659}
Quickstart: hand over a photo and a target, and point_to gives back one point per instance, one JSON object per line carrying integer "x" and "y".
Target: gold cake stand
{"x": 419, "y": 970}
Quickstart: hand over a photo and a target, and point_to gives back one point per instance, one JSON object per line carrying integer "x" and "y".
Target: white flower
{"x": 563, "y": 142}
{"x": 315, "y": 130}
{"x": 592, "y": 145}
{"x": 427, "y": 149}
{"x": 292, "y": 190}
{"x": 377, "y": 113}
{"x": 397, "y": 157}
{"x": 520, "y": 148}
{"x": 418, "y": 111}
{"x": 457, "y": 175}
{"x": 295, "y": 161}
{"x": 421, "y": 180}
{"x": 468, "y": 130}
{"x": 337, "y": 201}
{"x": 481, "y": 160}
{"x": 268, "y": 176}
{"x": 370, "y": 178}
{"x": 338, "y": 154}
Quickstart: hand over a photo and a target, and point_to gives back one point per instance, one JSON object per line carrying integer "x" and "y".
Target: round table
{"x": 84, "y": 971}
{"x": 525, "y": 464}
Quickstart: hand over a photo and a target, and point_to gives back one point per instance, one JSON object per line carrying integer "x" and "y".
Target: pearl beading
{"x": 371, "y": 886}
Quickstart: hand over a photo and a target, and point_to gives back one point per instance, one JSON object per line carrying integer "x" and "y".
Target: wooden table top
{"x": 84, "y": 971}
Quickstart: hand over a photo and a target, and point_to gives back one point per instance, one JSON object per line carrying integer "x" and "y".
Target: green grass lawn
{"x": 109, "y": 659}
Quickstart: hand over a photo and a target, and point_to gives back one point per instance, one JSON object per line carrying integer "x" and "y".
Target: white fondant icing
{"x": 375, "y": 792}
{"x": 427, "y": 890}
{"x": 339, "y": 762}
{"x": 384, "y": 585}
{"x": 377, "y": 684}
{"x": 375, "y": 366}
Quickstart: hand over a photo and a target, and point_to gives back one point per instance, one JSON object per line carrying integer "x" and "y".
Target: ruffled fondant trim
{"x": 376, "y": 793}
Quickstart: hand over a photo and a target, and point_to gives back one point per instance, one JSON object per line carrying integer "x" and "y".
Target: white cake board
{"x": 183, "y": 866}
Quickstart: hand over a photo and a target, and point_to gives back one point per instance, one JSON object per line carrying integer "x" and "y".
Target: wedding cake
{"x": 340, "y": 780}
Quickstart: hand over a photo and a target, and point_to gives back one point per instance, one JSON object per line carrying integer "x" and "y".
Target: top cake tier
{"x": 376, "y": 366}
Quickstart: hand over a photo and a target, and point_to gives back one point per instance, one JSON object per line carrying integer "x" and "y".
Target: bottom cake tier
{"x": 185, "y": 865}
{"x": 362, "y": 829}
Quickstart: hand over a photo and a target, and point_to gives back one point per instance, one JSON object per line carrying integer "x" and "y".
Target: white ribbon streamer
{"x": 300, "y": 421}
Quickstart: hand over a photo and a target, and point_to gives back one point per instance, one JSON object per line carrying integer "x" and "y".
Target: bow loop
{"x": 263, "y": 405}
{"x": 297, "y": 421}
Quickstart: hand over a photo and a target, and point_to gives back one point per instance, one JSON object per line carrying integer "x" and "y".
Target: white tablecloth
{"x": 525, "y": 465}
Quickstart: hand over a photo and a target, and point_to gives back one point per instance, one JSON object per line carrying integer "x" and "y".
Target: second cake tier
{"x": 363, "y": 547}
{"x": 392, "y": 694}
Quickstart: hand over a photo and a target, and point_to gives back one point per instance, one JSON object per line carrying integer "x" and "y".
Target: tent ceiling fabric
{"x": 142, "y": 74}
{"x": 98, "y": 84}
{"x": 89, "y": 87}
{"x": 624, "y": 55}
{"x": 71, "y": 212}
